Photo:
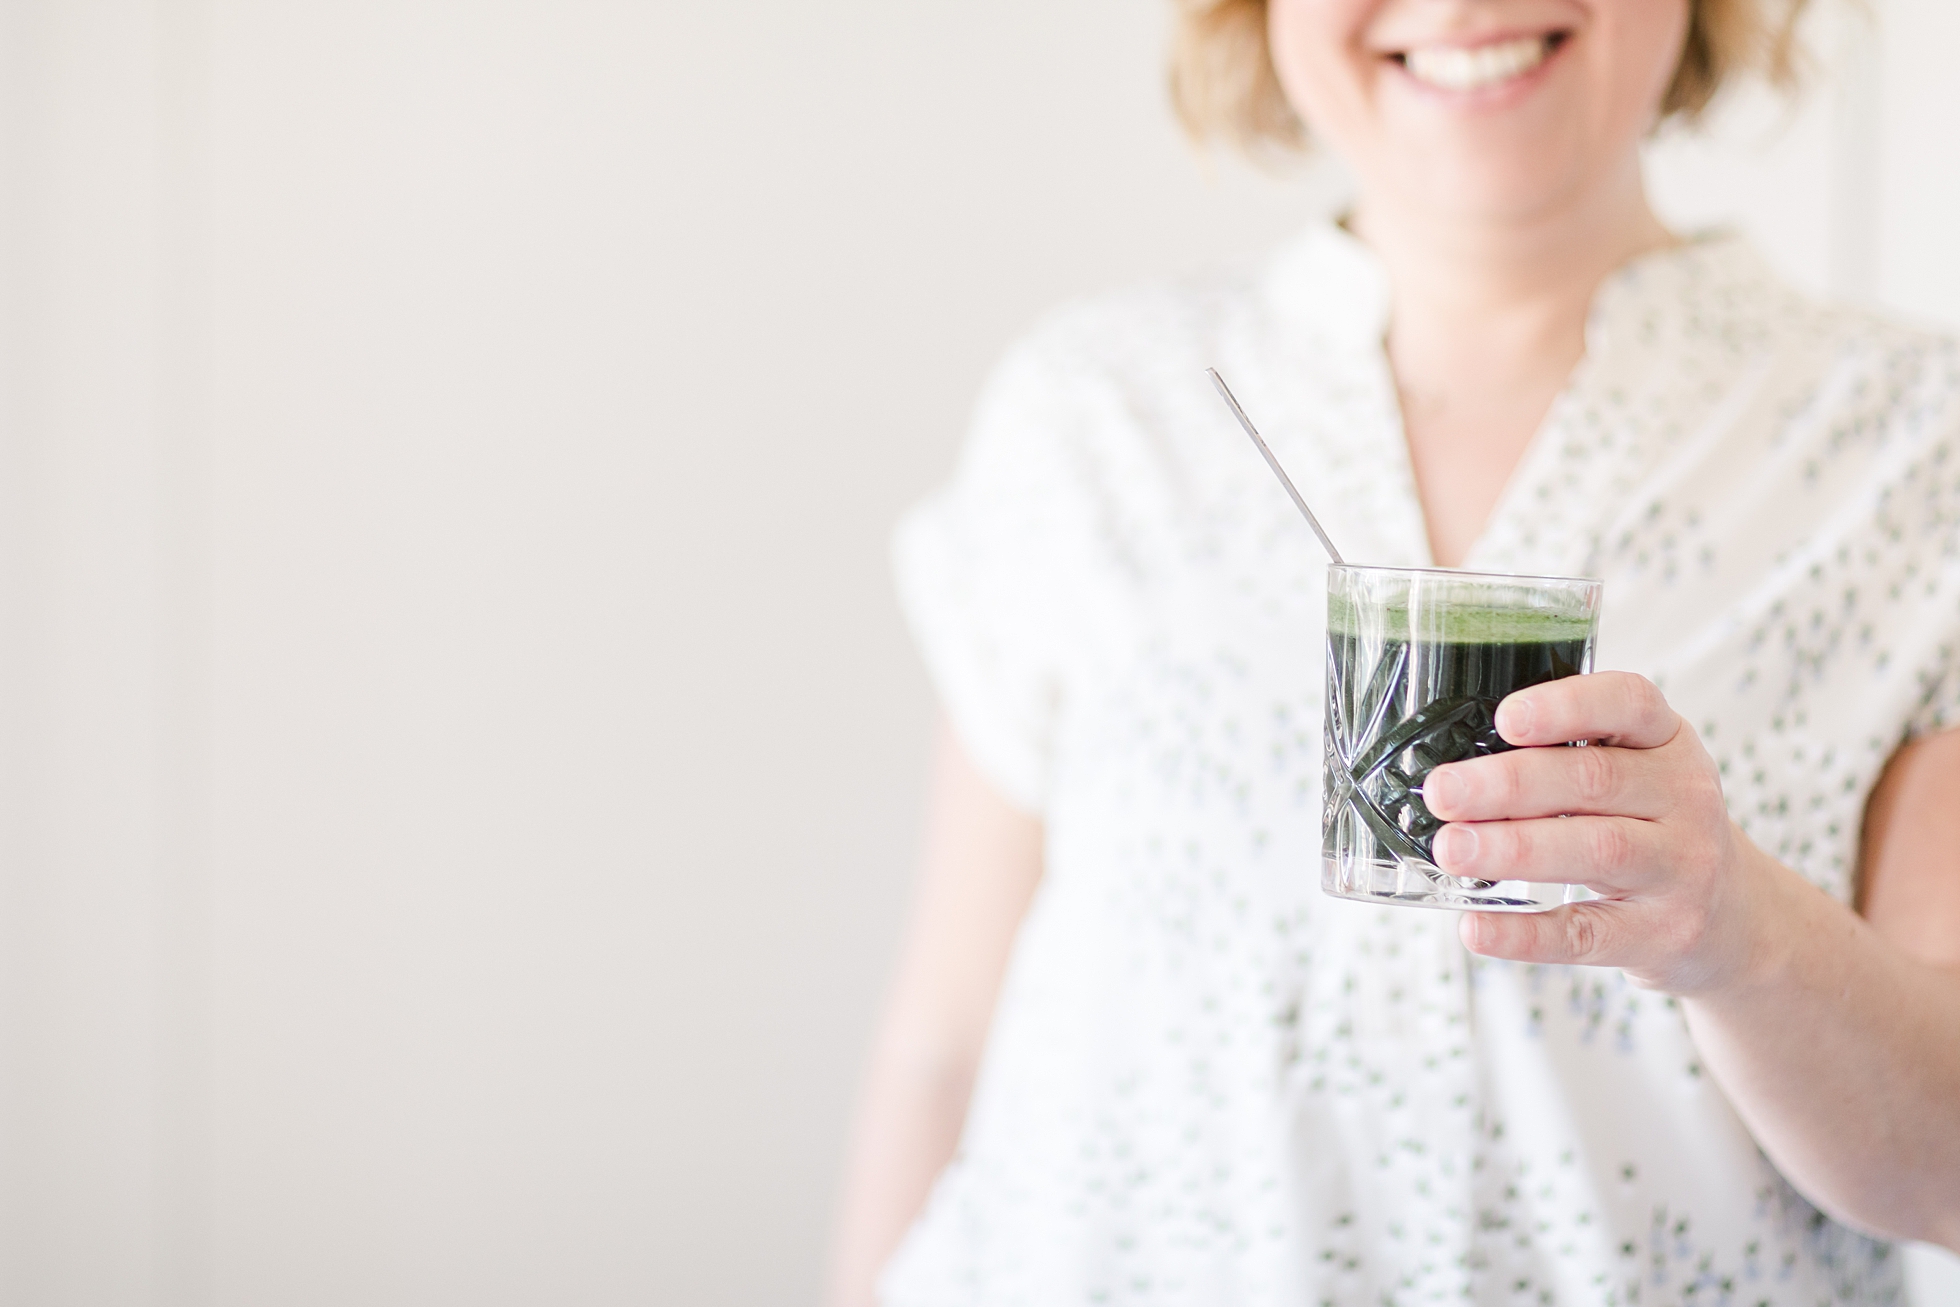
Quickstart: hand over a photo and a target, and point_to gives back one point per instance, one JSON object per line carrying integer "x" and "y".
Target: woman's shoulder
{"x": 1165, "y": 331}
{"x": 1711, "y": 315}
{"x": 1736, "y": 288}
{"x": 1128, "y": 334}
{"x": 1854, "y": 335}
{"x": 1866, "y": 375}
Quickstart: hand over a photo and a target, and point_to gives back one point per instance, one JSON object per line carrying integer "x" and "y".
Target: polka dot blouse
{"x": 1206, "y": 1082}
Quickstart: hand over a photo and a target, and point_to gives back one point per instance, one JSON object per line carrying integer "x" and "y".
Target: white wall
{"x": 459, "y": 748}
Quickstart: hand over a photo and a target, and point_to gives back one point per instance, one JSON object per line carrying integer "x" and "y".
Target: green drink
{"x": 1417, "y": 662}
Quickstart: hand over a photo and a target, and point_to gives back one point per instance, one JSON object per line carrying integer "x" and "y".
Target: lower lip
{"x": 1487, "y": 97}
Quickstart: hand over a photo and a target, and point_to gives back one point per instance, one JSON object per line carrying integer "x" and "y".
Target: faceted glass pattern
{"x": 1417, "y": 662}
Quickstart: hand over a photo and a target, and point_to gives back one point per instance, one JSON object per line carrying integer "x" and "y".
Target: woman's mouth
{"x": 1461, "y": 68}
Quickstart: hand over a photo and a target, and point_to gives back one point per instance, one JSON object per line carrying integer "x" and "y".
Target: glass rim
{"x": 1461, "y": 574}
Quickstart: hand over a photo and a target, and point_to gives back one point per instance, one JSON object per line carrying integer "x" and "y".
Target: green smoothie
{"x": 1415, "y": 673}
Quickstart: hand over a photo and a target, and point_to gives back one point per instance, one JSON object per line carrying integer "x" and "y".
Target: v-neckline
{"x": 1535, "y": 469}
{"x": 1528, "y": 472}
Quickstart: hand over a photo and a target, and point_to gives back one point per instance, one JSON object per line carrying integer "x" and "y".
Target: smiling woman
{"x": 1729, "y": 1071}
{"x": 1224, "y": 85}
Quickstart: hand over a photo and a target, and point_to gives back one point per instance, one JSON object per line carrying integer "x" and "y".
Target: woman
{"x": 1733, "y": 1076}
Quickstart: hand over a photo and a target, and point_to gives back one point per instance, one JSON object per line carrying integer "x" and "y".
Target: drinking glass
{"x": 1417, "y": 662}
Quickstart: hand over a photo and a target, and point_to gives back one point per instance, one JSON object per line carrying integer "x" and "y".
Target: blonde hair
{"x": 1223, "y": 83}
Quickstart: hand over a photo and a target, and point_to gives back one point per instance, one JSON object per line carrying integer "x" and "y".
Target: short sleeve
{"x": 986, "y": 571}
{"x": 1932, "y": 644}
{"x": 1939, "y": 708}
{"x": 1918, "y": 537}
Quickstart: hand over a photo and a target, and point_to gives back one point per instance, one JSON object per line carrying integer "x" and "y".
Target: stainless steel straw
{"x": 1273, "y": 463}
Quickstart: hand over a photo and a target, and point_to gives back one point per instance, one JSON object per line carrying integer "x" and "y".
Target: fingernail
{"x": 1514, "y": 718}
{"x": 1445, "y": 787}
{"x": 1474, "y": 931}
{"x": 1456, "y": 846}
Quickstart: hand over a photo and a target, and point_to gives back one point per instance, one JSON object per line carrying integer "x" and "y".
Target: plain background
{"x": 458, "y": 750}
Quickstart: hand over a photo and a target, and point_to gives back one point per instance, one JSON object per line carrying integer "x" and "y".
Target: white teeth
{"x": 1474, "y": 68}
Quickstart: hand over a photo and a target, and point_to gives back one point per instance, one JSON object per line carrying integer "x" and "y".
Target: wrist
{"x": 1769, "y": 909}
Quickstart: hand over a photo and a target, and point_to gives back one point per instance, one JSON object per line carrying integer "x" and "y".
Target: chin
{"x": 1488, "y": 191}
{"x": 1488, "y": 172}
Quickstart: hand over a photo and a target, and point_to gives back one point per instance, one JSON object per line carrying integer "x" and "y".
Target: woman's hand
{"x": 1685, "y": 899}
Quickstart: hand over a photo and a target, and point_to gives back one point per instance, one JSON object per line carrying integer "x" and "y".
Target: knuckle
{"x": 1511, "y": 846}
{"x": 1652, "y": 707}
{"x": 1611, "y": 846}
{"x": 1691, "y": 788}
{"x": 1584, "y": 935}
{"x": 1595, "y": 776}
{"x": 1708, "y": 790}
{"x": 1507, "y": 782}
{"x": 1648, "y": 696}
{"x": 1685, "y": 933}
{"x": 1629, "y": 706}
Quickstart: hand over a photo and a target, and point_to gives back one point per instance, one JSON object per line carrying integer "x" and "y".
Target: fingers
{"x": 1617, "y": 708}
{"x": 1613, "y": 855}
{"x": 1553, "y": 782}
{"x": 1579, "y": 934}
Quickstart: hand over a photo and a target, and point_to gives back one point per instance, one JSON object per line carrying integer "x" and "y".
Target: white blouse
{"x": 1208, "y": 1083}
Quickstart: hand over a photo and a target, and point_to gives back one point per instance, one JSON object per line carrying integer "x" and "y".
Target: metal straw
{"x": 1273, "y": 463}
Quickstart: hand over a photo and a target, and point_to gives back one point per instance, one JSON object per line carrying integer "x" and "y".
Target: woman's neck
{"x": 1455, "y": 278}
{"x": 1488, "y": 319}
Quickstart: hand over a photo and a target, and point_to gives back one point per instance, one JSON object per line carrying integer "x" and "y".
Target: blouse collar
{"x": 1333, "y": 285}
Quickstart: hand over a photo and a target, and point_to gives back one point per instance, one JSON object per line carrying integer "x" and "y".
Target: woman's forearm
{"x": 1836, "y": 1036}
{"x": 982, "y": 863}
{"x": 1842, "y": 1054}
{"x": 908, "y": 1125}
